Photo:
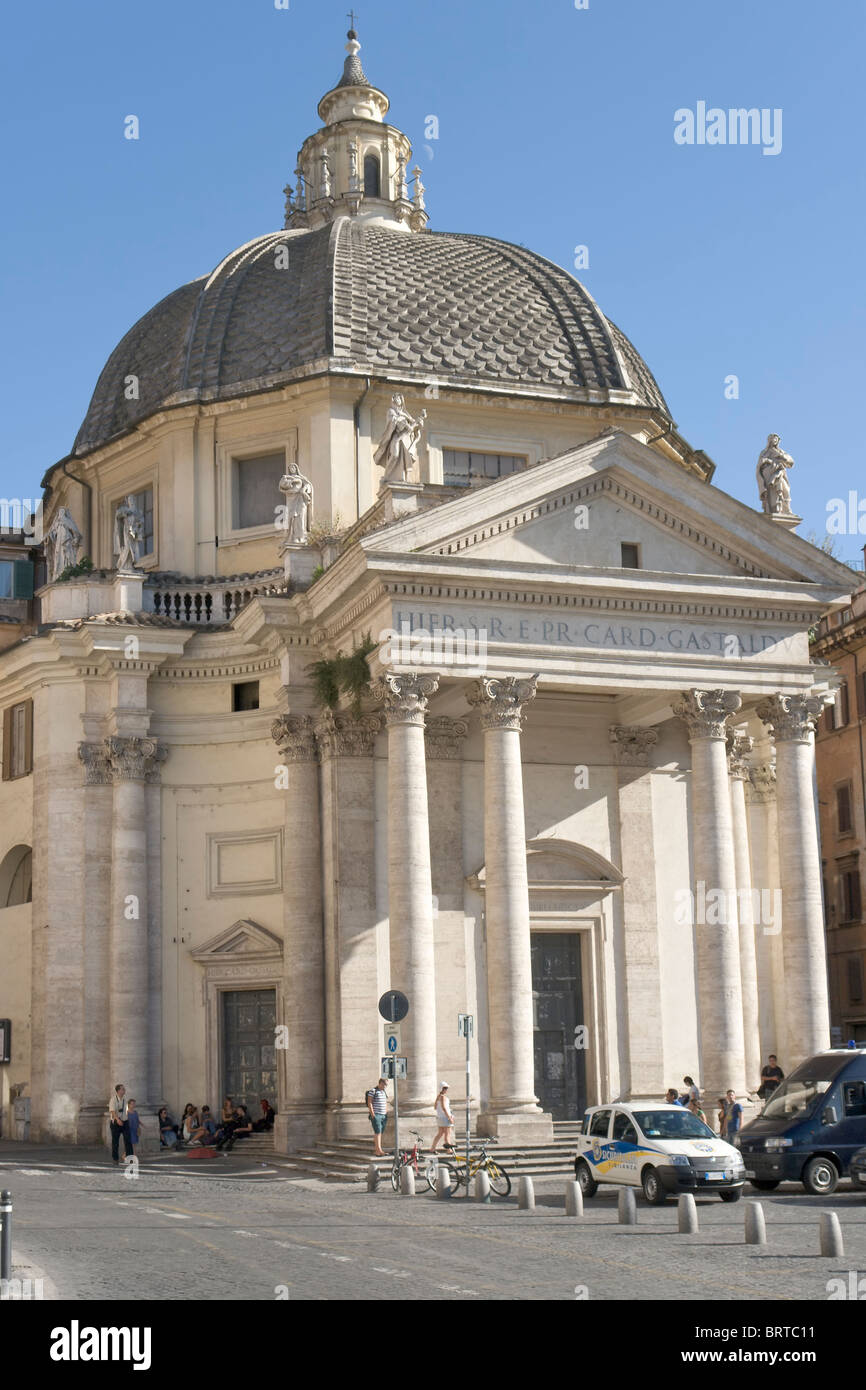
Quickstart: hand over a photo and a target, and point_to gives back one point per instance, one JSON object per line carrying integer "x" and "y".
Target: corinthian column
{"x": 738, "y": 748}
{"x": 410, "y": 889}
{"x": 301, "y": 1065}
{"x": 720, "y": 996}
{"x": 512, "y": 1109}
{"x": 792, "y": 720}
{"x": 132, "y": 762}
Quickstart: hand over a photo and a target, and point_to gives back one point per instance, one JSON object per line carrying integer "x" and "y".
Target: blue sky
{"x": 556, "y": 129}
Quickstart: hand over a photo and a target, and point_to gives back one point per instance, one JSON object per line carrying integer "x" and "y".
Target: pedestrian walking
{"x": 118, "y": 1111}
{"x": 377, "y": 1105}
{"x": 444, "y": 1117}
{"x": 771, "y": 1075}
{"x": 721, "y": 1116}
{"x": 733, "y": 1115}
{"x": 133, "y": 1119}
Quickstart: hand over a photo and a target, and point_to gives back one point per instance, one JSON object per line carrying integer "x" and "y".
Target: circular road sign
{"x": 393, "y": 1006}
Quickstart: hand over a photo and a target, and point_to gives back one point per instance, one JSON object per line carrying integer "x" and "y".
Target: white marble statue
{"x": 398, "y": 448}
{"x": 325, "y": 183}
{"x": 298, "y": 511}
{"x": 354, "y": 178}
{"x": 64, "y": 540}
{"x": 772, "y": 475}
{"x": 128, "y": 534}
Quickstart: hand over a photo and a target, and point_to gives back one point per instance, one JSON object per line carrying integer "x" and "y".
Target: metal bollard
{"x": 755, "y": 1226}
{"x": 5, "y": 1235}
{"x": 525, "y": 1194}
{"x": 626, "y": 1207}
{"x": 482, "y": 1186}
{"x": 407, "y": 1180}
{"x": 373, "y": 1178}
{"x": 687, "y": 1214}
{"x": 443, "y": 1181}
{"x": 831, "y": 1234}
{"x": 573, "y": 1199}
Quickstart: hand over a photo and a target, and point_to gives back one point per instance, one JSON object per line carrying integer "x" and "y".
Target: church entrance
{"x": 249, "y": 1057}
{"x": 557, "y": 994}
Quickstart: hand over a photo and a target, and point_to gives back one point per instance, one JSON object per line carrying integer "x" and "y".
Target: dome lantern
{"x": 356, "y": 164}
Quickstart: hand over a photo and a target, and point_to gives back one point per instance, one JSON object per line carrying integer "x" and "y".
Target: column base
{"x": 521, "y": 1127}
{"x": 299, "y": 1128}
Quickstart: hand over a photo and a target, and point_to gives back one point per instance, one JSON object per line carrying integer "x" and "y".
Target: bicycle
{"x": 500, "y": 1182}
{"x": 410, "y": 1156}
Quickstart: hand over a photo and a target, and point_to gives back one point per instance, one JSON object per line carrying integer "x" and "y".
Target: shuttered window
{"x": 18, "y": 740}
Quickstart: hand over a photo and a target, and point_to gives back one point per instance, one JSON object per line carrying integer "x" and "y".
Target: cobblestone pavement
{"x": 238, "y": 1230}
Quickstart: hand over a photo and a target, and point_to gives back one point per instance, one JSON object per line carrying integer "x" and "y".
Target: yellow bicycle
{"x": 500, "y": 1182}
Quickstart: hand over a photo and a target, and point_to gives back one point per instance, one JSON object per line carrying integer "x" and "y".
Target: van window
{"x": 600, "y": 1122}
{"x": 797, "y": 1095}
{"x": 623, "y": 1128}
{"x": 854, "y": 1094}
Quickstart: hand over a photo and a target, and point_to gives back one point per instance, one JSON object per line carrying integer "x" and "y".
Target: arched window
{"x": 372, "y": 182}
{"x": 16, "y": 877}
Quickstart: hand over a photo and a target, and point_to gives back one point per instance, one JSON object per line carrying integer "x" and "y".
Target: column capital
{"x": 501, "y": 701}
{"x": 134, "y": 759}
{"x": 632, "y": 744}
{"x": 445, "y": 736}
{"x": 347, "y": 735}
{"x": 739, "y": 746}
{"x": 705, "y": 712}
{"x": 294, "y": 735}
{"x": 792, "y": 718}
{"x": 404, "y": 697}
{"x": 762, "y": 786}
{"x": 97, "y": 768}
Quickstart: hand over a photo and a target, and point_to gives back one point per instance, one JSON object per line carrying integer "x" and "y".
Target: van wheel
{"x": 583, "y": 1174}
{"x": 731, "y": 1196}
{"x": 652, "y": 1187}
{"x": 820, "y": 1176}
{"x": 764, "y": 1184}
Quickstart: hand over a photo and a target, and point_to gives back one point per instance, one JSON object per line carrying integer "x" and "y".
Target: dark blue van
{"x": 811, "y": 1126}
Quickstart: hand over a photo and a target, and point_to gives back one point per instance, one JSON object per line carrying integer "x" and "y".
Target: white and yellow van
{"x": 662, "y": 1149}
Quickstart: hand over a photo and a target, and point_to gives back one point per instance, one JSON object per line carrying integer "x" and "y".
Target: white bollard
{"x": 482, "y": 1186}
{"x": 407, "y": 1180}
{"x": 573, "y": 1199}
{"x": 443, "y": 1181}
{"x": 372, "y": 1178}
{"x": 626, "y": 1207}
{"x": 525, "y": 1194}
{"x": 755, "y": 1226}
{"x": 831, "y": 1235}
{"x": 687, "y": 1214}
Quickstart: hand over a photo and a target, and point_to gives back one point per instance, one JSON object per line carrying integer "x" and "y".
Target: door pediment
{"x": 244, "y": 940}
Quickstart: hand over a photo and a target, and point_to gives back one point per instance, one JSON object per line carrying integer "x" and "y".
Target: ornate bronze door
{"x": 557, "y": 993}
{"x": 249, "y": 1059}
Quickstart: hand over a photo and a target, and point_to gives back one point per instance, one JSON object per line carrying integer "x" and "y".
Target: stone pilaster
{"x": 97, "y": 939}
{"x": 720, "y": 996}
{"x": 632, "y": 748}
{"x": 792, "y": 720}
{"x": 764, "y": 851}
{"x": 512, "y": 1109}
{"x": 349, "y": 885}
{"x": 410, "y": 889}
{"x": 301, "y": 1067}
{"x": 739, "y": 747}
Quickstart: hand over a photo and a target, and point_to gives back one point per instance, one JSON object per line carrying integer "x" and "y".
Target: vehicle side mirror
{"x": 829, "y": 1116}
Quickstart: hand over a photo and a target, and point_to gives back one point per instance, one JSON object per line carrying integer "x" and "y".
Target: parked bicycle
{"x": 408, "y": 1157}
{"x": 500, "y": 1182}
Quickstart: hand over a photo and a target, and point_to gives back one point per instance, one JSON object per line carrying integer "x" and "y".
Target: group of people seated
{"x": 198, "y": 1129}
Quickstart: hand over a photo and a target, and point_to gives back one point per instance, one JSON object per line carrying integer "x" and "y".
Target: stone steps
{"x": 347, "y": 1160}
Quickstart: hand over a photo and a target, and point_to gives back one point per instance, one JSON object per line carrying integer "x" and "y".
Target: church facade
{"x": 418, "y": 651}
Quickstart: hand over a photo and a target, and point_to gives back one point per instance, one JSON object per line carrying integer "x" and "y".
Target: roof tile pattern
{"x": 360, "y": 297}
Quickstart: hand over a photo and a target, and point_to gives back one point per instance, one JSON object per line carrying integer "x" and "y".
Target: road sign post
{"x": 465, "y": 1023}
{"x": 393, "y": 1007}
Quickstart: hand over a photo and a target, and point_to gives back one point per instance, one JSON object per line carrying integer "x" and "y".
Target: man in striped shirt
{"x": 377, "y": 1104}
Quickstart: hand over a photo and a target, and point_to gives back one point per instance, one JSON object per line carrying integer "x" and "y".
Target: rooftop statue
{"x": 298, "y": 507}
{"x": 772, "y": 474}
{"x": 128, "y": 534}
{"x": 398, "y": 448}
{"x": 64, "y": 540}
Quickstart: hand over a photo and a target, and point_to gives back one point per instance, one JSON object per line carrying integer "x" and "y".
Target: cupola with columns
{"x": 356, "y": 164}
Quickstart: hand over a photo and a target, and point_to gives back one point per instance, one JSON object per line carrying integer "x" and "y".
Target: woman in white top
{"x": 444, "y": 1118}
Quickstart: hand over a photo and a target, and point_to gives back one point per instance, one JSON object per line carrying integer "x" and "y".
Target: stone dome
{"x": 362, "y": 299}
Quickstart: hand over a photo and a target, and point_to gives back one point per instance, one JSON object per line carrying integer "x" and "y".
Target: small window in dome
{"x": 257, "y": 489}
{"x": 464, "y": 469}
{"x": 371, "y": 176}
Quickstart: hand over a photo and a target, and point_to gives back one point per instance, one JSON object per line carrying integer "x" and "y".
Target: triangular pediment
{"x": 242, "y": 939}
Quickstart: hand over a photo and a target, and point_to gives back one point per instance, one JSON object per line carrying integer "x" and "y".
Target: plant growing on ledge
{"x": 84, "y": 566}
{"x": 343, "y": 675}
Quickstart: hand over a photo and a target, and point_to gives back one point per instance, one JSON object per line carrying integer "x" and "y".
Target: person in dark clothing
{"x": 238, "y": 1128}
{"x": 267, "y": 1120}
{"x": 771, "y": 1075}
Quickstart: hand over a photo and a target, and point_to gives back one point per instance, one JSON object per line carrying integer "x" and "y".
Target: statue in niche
{"x": 298, "y": 507}
{"x": 772, "y": 475}
{"x": 64, "y": 539}
{"x": 325, "y": 181}
{"x": 398, "y": 448}
{"x": 128, "y": 534}
{"x": 354, "y": 179}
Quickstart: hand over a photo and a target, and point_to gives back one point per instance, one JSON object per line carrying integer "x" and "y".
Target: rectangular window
{"x": 257, "y": 489}
{"x": 855, "y": 983}
{"x": 849, "y": 882}
{"x": 465, "y": 468}
{"x": 18, "y": 740}
{"x": 839, "y": 708}
{"x": 630, "y": 555}
{"x": 844, "y": 823}
{"x": 144, "y": 502}
{"x": 245, "y": 695}
{"x": 7, "y": 572}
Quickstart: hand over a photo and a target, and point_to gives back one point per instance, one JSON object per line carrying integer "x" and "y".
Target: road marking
{"x": 250, "y": 1234}
{"x": 158, "y": 1211}
{"x": 327, "y": 1255}
{"x": 397, "y": 1273}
